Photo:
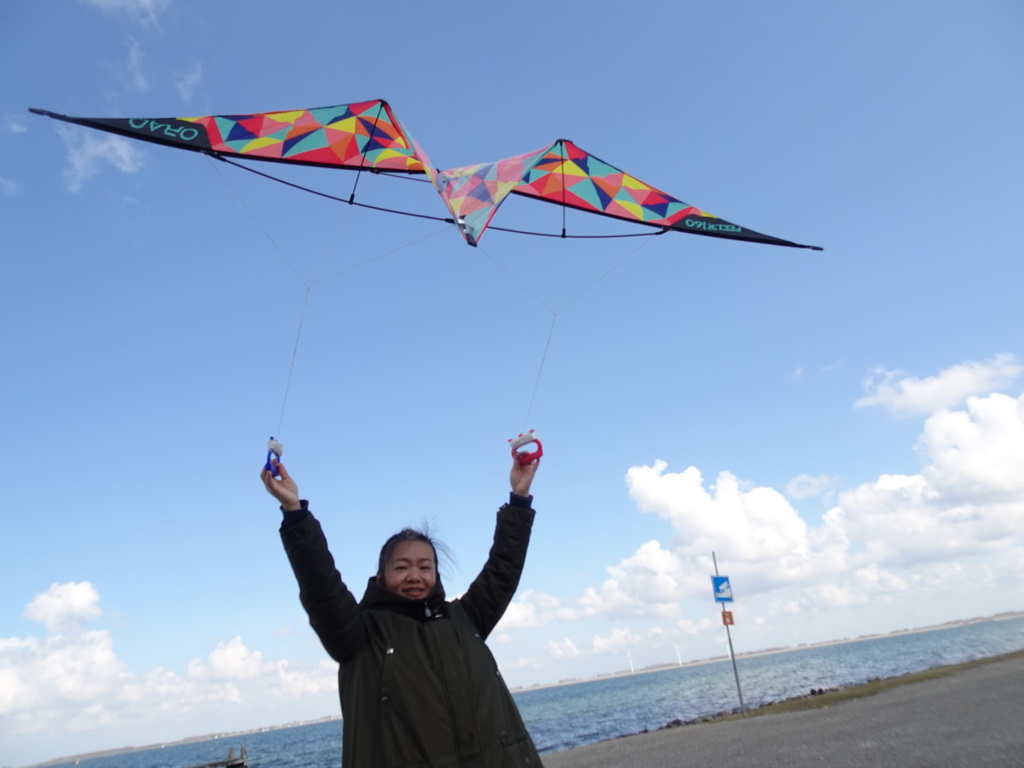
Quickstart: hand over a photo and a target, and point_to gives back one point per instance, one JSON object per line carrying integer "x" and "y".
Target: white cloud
{"x": 524, "y": 662}
{"x": 690, "y": 627}
{"x": 14, "y": 124}
{"x": 977, "y": 454}
{"x": 835, "y": 366}
{"x": 73, "y": 681}
{"x": 60, "y": 672}
{"x": 134, "y": 75}
{"x": 969, "y": 498}
{"x": 861, "y": 586}
{"x": 800, "y": 374}
{"x": 89, "y": 151}
{"x": 562, "y": 649}
{"x": 297, "y": 682}
{"x": 619, "y": 641}
{"x": 755, "y": 528}
{"x": 529, "y": 609}
{"x": 648, "y": 583}
{"x": 908, "y": 395}
{"x": 143, "y": 11}
{"x": 189, "y": 81}
{"x": 834, "y": 595}
{"x": 230, "y": 661}
{"x": 8, "y": 188}
{"x": 807, "y": 486}
{"x": 874, "y": 579}
{"x": 65, "y": 606}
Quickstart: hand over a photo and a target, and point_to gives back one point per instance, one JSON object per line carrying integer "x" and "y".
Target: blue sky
{"x": 844, "y": 429}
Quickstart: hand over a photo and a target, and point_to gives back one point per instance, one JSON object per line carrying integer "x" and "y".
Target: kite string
{"x": 381, "y": 255}
{"x": 540, "y": 371}
{"x": 554, "y": 313}
{"x": 259, "y": 224}
{"x": 305, "y": 302}
{"x": 308, "y": 285}
{"x": 291, "y": 365}
{"x": 607, "y": 272}
{"x": 578, "y": 296}
{"x": 515, "y": 279}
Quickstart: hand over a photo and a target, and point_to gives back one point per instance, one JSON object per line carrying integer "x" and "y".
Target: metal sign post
{"x": 722, "y": 590}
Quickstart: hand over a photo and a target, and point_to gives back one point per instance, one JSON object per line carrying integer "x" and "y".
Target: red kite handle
{"x": 526, "y": 457}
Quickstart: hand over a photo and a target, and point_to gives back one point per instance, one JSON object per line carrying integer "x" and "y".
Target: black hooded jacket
{"x": 419, "y": 687}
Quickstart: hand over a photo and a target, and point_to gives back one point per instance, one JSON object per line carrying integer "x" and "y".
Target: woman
{"x": 418, "y": 685}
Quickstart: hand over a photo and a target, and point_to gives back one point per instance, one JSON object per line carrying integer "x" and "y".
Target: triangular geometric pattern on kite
{"x": 570, "y": 176}
{"x": 357, "y": 136}
{"x": 474, "y": 192}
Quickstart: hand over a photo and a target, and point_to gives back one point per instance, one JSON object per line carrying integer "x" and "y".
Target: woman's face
{"x": 412, "y": 572}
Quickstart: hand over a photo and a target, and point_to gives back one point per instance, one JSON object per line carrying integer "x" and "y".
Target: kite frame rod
{"x": 317, "y": 192}
{"x": 773, "y": 241}
{"x": 563, "y": 235}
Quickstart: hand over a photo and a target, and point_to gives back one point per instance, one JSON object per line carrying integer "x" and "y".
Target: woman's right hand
{"x": 522, "y": 475}
{"x": 284, "y": 490}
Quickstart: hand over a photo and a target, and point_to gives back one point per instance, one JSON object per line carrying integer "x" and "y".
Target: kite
{"x": 366, "y": 136}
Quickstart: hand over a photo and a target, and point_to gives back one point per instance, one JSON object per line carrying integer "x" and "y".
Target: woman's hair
{"x": 387, "y": 552}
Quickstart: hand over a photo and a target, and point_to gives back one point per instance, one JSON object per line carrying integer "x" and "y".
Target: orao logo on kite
{"x": 366, "y": 136}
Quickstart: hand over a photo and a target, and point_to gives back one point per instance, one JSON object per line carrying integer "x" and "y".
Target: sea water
{"x": 571, "y": 715}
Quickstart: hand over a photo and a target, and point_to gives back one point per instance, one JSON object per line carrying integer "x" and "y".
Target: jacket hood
{"x": 377, "y": 597}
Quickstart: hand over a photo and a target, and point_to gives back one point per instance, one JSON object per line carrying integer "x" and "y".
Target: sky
{"x": 843, "y": 429}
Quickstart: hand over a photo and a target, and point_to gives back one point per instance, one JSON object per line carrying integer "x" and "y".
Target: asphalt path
{"x": 973, "y": 718}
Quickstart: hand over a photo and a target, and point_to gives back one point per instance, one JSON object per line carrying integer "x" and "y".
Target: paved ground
{"x": 974, "y": 718}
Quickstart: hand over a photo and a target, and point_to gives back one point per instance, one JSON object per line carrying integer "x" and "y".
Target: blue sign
{"x": 722, "y": 588}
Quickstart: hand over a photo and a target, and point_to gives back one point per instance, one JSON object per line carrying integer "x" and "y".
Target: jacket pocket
{"x": 517, "y": 750}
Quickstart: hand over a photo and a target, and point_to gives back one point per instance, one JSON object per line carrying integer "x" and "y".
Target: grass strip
{"x": 871, "y": 688}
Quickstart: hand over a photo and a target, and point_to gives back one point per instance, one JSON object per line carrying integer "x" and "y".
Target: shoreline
{"x": 829, "y": 697}
{"x": 1003, "y": 616}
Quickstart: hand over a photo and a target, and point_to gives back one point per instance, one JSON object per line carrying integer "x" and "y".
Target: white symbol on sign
{"x": 721, "y": 589}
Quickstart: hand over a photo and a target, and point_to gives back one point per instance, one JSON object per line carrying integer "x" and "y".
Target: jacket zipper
{"x": 447, "y": 695}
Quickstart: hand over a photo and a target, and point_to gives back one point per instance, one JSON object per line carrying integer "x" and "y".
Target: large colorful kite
{"x": 366, "y": 136}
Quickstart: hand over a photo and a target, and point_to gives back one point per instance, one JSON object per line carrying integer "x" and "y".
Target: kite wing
{"x": 367, "y": 136}
{"x": 474, "y": 192}
{"x": 570, "y": 176}
{"x": 566, "y": 175}
{"x": 359, "y": 136}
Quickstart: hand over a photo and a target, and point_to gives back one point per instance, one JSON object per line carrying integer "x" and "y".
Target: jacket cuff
{"x": 523, "y": 502}
{"x": 293, "y": 517}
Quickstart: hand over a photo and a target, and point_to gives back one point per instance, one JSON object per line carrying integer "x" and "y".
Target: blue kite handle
{"x": 273, "y": 450}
